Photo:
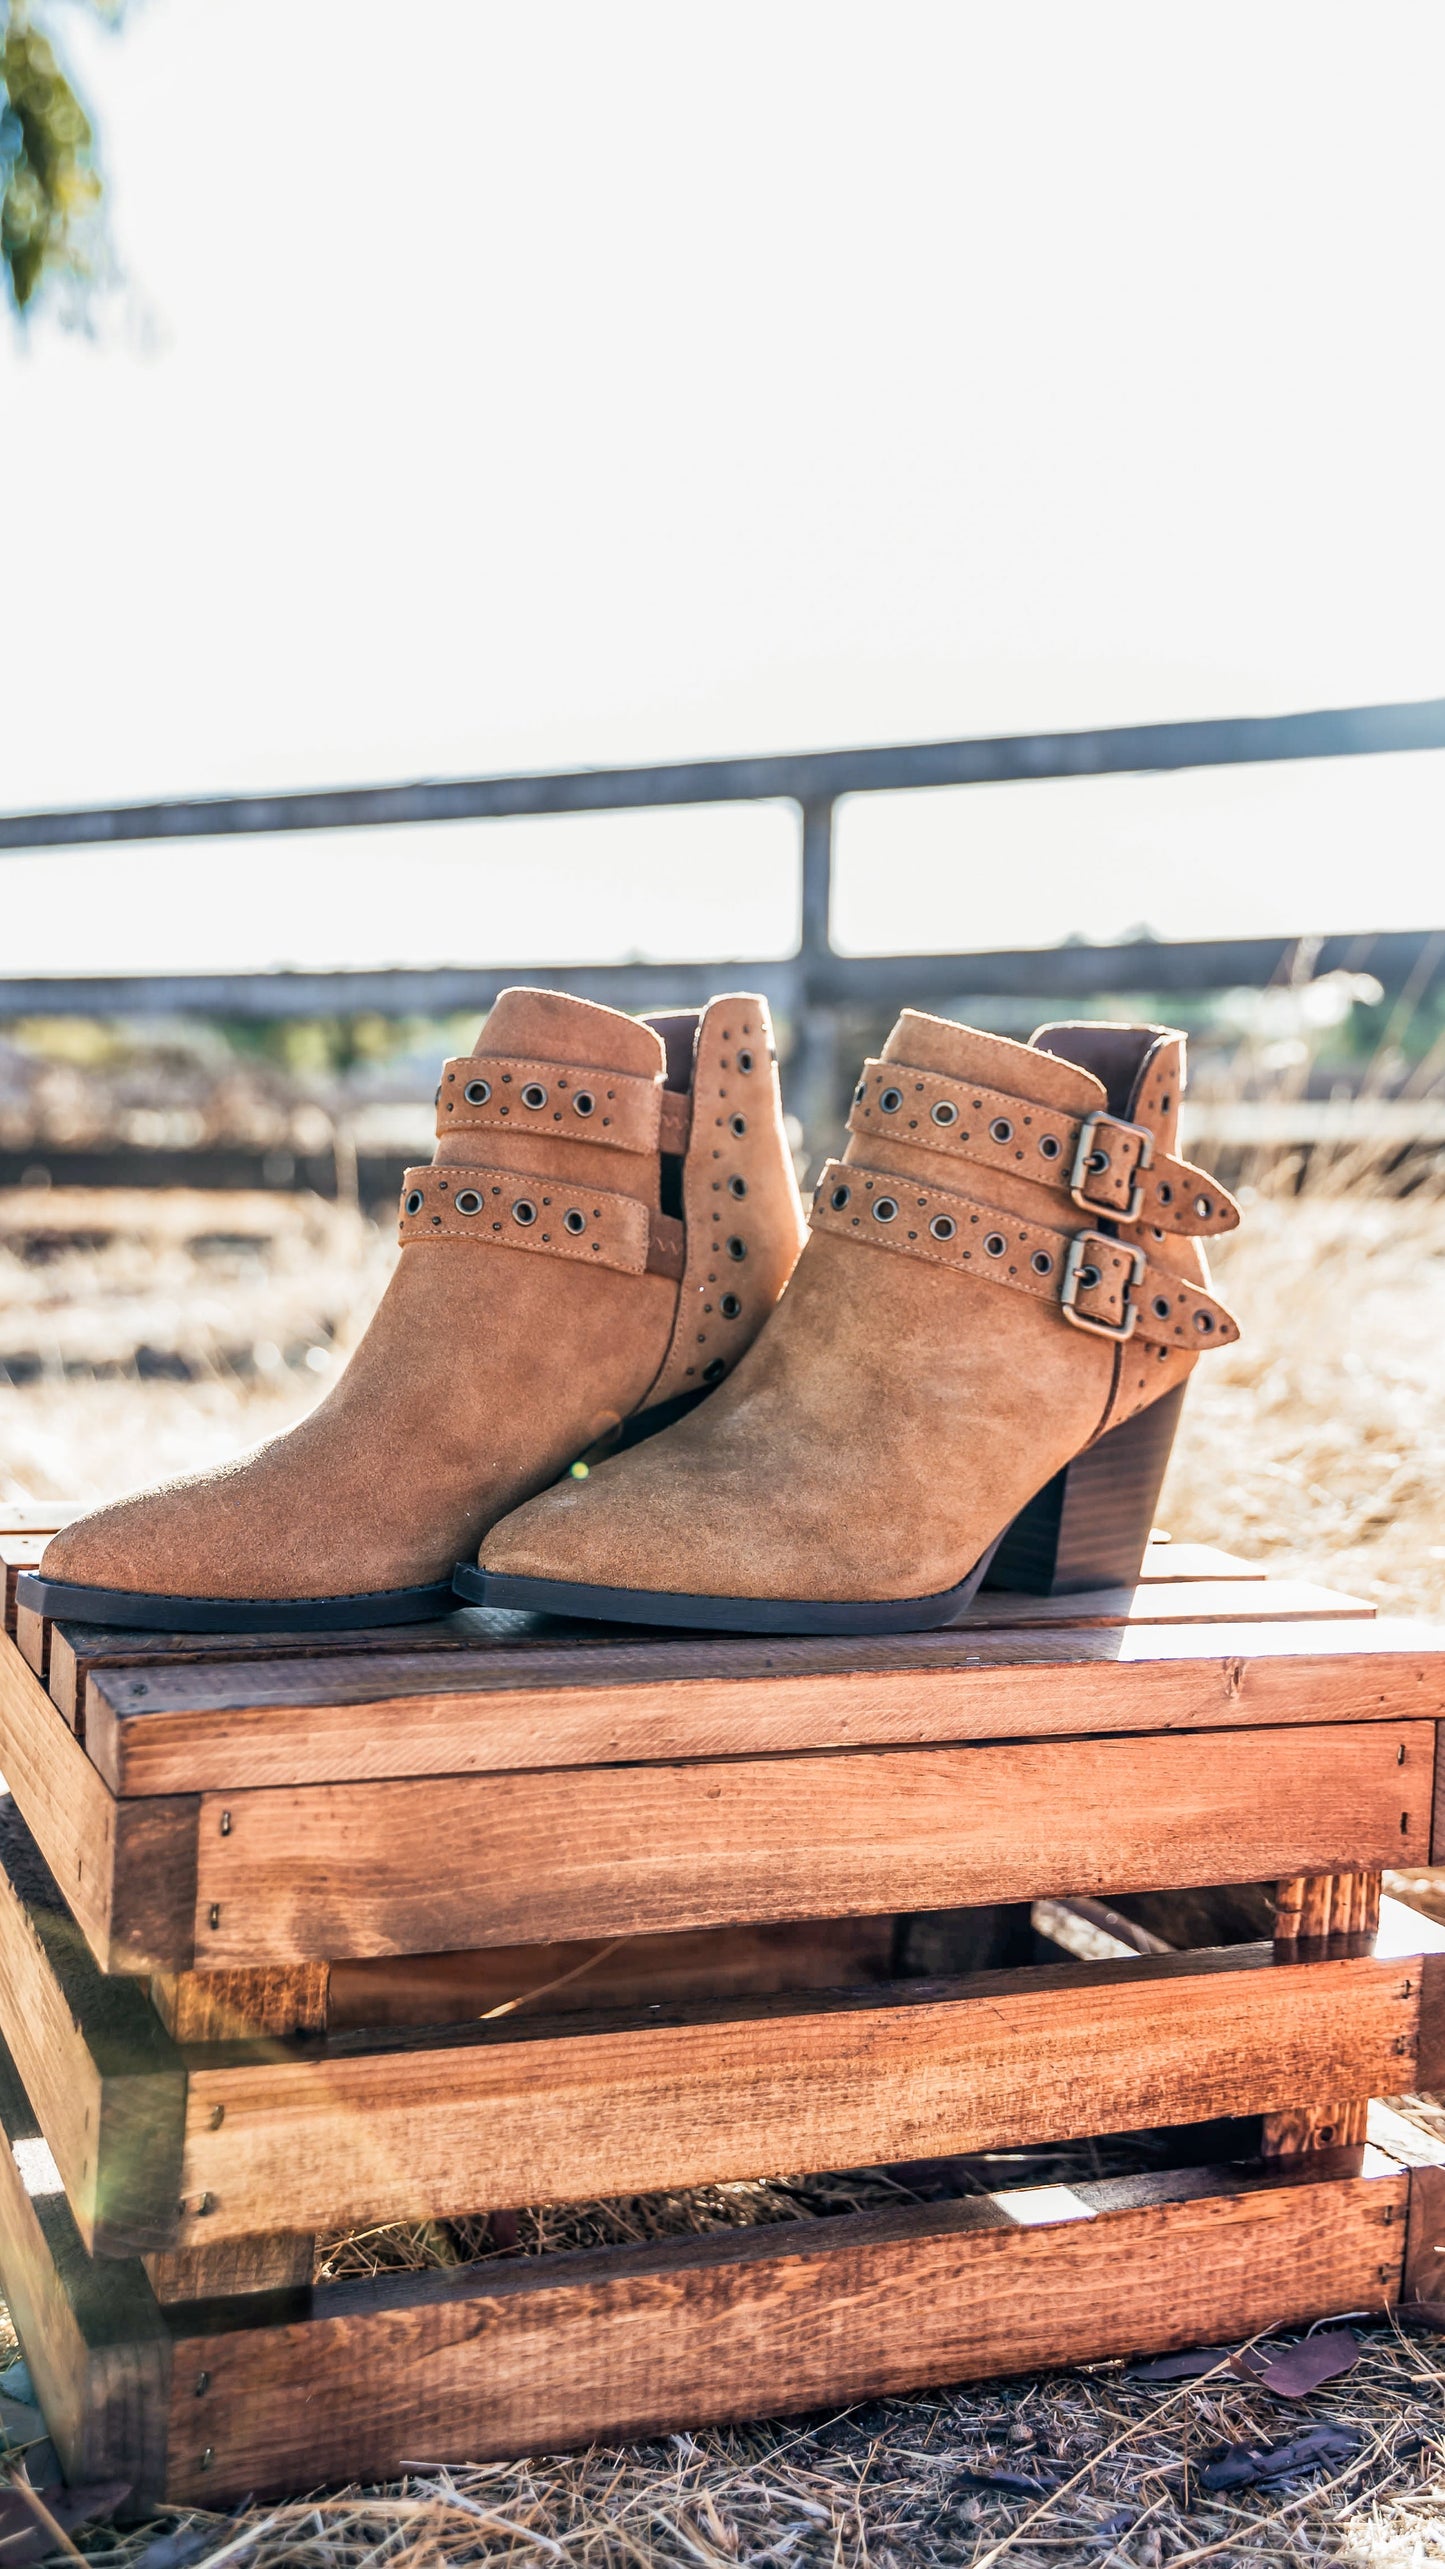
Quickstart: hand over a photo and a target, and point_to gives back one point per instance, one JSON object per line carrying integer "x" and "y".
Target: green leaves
{"x": 50, "y": 190}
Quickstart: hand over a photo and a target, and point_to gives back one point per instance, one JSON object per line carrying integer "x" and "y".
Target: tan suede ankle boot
{"x": 609, "y": 1217}
{"x": 1003, "y": 1286}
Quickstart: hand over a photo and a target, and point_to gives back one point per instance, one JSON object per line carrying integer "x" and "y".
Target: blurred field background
{"x": 147, "y": 1329}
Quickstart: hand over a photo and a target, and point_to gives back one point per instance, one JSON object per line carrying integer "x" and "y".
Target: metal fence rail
{"x": 815, "y": 982}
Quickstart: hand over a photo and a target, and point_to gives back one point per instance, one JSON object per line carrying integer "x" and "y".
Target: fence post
{"x": 814, "y": 1069}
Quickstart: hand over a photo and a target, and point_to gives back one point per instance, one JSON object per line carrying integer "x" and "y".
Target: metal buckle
{"x": 1074, "y": 1281}
{"x": 1083, "y": 1156}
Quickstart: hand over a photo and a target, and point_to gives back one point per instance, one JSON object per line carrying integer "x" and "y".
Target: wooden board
{"x": 78, "y": 1648}
{"x": 17, "y": 1552}
{"x": 531, "y": 1703}
{"x": 40, "y": 1516}
{"x": 607, "y": 2105}
{"x": 126, "y": 1870}
{"x": 1165, "y": 1559}
{"x": 72, "y": 1652}
{"x": 89, "y": 2327}
{"x": 32, "y": 1634}
{"x": 431, "y": 1864}
{"x": 535, "y": 2355}
{"x": 106, "y": 2084}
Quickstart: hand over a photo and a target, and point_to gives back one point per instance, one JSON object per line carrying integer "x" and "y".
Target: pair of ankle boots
{"x": 608, "y": 1378}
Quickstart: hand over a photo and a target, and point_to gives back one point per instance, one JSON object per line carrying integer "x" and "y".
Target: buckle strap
{"x": 510, "y": 1209}
{"x": 1107, "y": 1286}
{"x": 496, "y": 1092}
{"x": 1108, "y": 1166}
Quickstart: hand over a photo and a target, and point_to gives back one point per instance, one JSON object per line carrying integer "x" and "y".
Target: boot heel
{"x": 1088, "y": 1526}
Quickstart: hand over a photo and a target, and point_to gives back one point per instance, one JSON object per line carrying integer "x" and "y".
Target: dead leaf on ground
{"x": 1297, "y": 2370}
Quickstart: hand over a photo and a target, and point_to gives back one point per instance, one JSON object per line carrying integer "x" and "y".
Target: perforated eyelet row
{"x": 534, "y": 1096}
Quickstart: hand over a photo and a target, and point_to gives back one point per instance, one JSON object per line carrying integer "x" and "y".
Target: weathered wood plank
{"x": 605, "y": 2105}
{"x": 75, "y": 1650}
{"x": 47, "y": 1516}
{"x": 238, "y": 1727}
{"x": 225, "y": 2006}
{"x": 125, "y": 1870}
{"x": 1164, "y": 1559}
{"x": 89, "y": 2327}
{"x": 224, "y": 2268}
{"x": 1171, "y": 1569}
{"x": 106, "y": 2084}
{"x": 17, "y": 1552}
{"x": 32, "y": 1634}
{"x": 530, "y": 2356}
{"x": 427, "y": 1865}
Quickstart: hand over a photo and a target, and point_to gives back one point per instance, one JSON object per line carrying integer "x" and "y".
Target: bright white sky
{"x": 521, "y": 382}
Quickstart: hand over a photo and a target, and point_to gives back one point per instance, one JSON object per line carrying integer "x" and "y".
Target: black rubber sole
{"x": 131, "y": 1609}
{"x": 479, "y": 1586}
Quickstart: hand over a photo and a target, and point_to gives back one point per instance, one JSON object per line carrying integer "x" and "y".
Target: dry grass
{"x": 1318, "y": 1444}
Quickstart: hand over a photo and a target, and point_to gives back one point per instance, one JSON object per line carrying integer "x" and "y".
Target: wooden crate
{"x": 298, "y": 1935}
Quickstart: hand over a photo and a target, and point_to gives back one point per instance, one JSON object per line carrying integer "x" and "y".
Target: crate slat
{"x": 235, "y": 1727}
{"x": 430, "y": 1864}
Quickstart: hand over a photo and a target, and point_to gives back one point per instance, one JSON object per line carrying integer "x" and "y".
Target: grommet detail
{"x": 414, "y": 1201}
{"x": 1202, "y": 1320}
{"x": 574, "y": 1222}
{"x": 1042, "y": 1263}
{"x": 714, "y": 1372}
{"x": 477, "y": 1091}
{"x": 1164, "y": 1191}
{"x": 1203, "y": 1207}
{"x": 841, "y": 1196}
{"x": 583, "y": 1102}
{"x": 737, "y": 1248}
{"x": 737, "y": 1186}
{"x": 745, "y": 1062}
{"x": 468, "y": 1201}
{"x": 524, "y": 1211}
{"x": 1161, "y": 1306}
{"x": 534, "y": 1094}
{"x": 945, "y": 1112}
{"x": 885, "y": 1209}
{"x": 995, "y": 1244}
{"x": 943, "y": 1226}
{"x": 1088, "y": 1277}
{"x": 889, "y": 1101}
{"x": 731, "y": 1306}
{"x": 738, "y": 1124}
{"x": 1001, "y": 1130}
{"x": 1049, "y": 1146}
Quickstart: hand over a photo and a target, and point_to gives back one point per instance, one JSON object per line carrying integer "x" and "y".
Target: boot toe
{"x": 605, "y": 1533}
{"x": 136, "y": 1545}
